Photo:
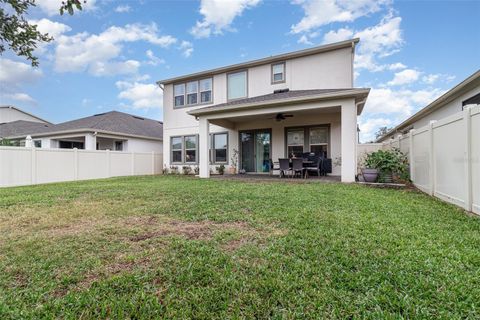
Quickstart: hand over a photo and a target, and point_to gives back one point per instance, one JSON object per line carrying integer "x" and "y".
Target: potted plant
{"x": 383, "y": 164}
{"x": 221, "y": 169}
{"x": 234, "y": 162}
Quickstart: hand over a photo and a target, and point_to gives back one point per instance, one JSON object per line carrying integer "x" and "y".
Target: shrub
{"x": 173, "y": 169}
{"x": 186, "y": 170}
{"x": 196, "y": 170}
{"x": 221, "y": 169}
{"x": 388, "y": 162}
{"x": 165, "y": 170}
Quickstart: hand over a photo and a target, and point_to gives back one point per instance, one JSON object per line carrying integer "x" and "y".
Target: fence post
{"x": 133, "y": 164}
{"x": 153, "y": 162}
{"x": 431, "y": 158}
{"x": 33, "y": 177}
{"x": 467, "y": 125}
{"x": 411, "y": 155}
{"x": 75, "y": 164}
{"x": 108, "y": 164}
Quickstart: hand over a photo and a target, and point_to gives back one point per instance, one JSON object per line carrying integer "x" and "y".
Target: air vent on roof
{"x": 281, "y": 90}
{"x": 99, "y": 114}
{"x": 139, "y": 118}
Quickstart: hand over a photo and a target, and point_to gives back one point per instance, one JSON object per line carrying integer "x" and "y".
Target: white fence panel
{"x": 449, "y": 145}
{"x": 24, "y": 166}
{"x": 92, "y": 164}
{"x": 421, "y": 155}
{"x": 445, "y": 158}
{"x": 120, "y": 164}
{"x": 15, "y": 166}
{"x": 475, "y": 159}
{"x": 54, "y": 165}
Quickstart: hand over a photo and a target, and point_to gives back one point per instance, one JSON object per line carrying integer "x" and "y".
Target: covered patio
{"x": 286, "y": 124}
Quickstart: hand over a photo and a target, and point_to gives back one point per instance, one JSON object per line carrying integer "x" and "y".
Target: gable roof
{"x": 287, "y": 97}
{"x": 25, "y": 112}
{"x": 21, "y": 127}
{"x": 113, "y": 122}
{"x": 467, "y": 84}
{"x": 280, "y": 57}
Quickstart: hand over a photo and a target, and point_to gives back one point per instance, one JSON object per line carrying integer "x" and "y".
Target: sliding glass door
{"x": 255, "y": 150}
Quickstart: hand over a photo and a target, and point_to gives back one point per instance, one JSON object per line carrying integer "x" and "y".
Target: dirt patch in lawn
{"x": 192, "y": 230}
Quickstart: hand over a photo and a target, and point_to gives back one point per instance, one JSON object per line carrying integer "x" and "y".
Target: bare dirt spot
{"x": 198, "y": 230}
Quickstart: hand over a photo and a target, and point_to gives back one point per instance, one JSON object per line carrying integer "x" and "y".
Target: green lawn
{"x": 180, "y": 247}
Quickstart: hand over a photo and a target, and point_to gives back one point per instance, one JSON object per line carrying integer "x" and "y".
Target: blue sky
{"x": 110, "y": 55}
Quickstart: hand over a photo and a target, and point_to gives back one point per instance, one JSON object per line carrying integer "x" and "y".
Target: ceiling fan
{"x": 281, "y": 116}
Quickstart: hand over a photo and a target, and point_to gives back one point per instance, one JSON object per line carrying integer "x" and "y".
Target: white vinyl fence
{"x": 25, "y": 166}
{"x": 445, "y": 158}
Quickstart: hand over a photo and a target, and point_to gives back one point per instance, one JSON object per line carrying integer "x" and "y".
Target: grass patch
{"x": 179, "y": 247}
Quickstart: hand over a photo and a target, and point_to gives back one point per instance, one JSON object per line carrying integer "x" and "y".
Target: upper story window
{"x": 237, "y": 85}
{"x": 192, "y": 92}
{"x": 278, "y": 72}
{"x": 179, "y": 93}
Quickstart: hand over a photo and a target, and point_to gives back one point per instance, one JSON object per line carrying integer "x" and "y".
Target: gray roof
{"x": 291, "y": 96}
{"x": 22, "y": 128}
{"x": 113, "y": 122}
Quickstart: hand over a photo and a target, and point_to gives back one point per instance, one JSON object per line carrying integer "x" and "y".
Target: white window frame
{"x": 175, "y": 96}
{"x": 185, "y": 149}
{"x": 172, "y": 150}
{"x": 200, "y": 91}
{"x": 246, "y": 84}
{"x": 283, "y": 73}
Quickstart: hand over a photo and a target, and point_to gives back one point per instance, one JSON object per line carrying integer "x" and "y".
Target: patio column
{"x": 349, "y": 141}
{"x": 203, "y": 163}
{"x": 90, "y": 141}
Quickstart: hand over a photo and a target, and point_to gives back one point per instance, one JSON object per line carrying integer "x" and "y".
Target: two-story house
{"x": 266, "y": 109}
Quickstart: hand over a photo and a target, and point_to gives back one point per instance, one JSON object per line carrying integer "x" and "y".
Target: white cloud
{"x": 53, "y": 28}
{"x": 140, "y": 95}
{"x": 387, "y": 107}
{"x": 322, "y": 12}
{"x": 339, "y": 35}
{"x": 19, "y": 97}
{"x": 52, "y": 7}
{"x": 95, "y": 52}
{"x": 368, "y": 127}
{"x": 403, "y": 77}
{"x": 430, "y": 78}
{"x": 218, "y": 16}
{"x": 152, "y": 59}
{"x": 17, "y": 73}
{"x": 187, "y": 48}
{"x": 123, "y": 9}
{"x": 401, "y": 103}
{"x": 304, "y": 40}
{"x": 397, "y": 66}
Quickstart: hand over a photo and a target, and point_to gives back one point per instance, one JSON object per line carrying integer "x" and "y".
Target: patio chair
{"x": 316, "y": 167}
{"x": 284, "y": 167}
{"x": 297, "y": 167}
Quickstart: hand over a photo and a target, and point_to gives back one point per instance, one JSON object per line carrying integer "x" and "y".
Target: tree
{"x": 381, "y": 132}
{"x": 18, "y": 34}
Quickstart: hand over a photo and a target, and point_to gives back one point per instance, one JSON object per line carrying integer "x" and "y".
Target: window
{"x": 188, "y": 93}
{"x": 192, "y": 92}
{"x": 118, "y": 145}
{"x": 237, "y": 85}
{"x": 177, "y": 149}
{"x": 295, "y": 142}
{"x": 318, "y": 140}
{"x": 205, "y": 90}
{"x": 190, "y": 149}
{"x": 278, "y": 72}
{"x": 70, "y": 144}
{"x": 37, "y": 143}
{"x": 179, "y": 93}
{"x": 219, "y": 147}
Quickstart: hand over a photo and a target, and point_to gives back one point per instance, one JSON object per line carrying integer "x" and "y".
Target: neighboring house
{"x": 110, "y": 130}
{"x": 11, "y": 114}
{"x": 453, "y": 101}
{"x": 271, "y": 108}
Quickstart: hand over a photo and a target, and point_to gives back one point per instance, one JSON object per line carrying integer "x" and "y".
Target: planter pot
{"x": 386, "y": 177}
{"x": 232, "y": 170}
{"x": 370, "y": 175}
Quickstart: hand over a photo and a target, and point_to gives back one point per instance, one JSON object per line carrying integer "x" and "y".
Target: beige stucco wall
{"x": 325, "y": 70}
